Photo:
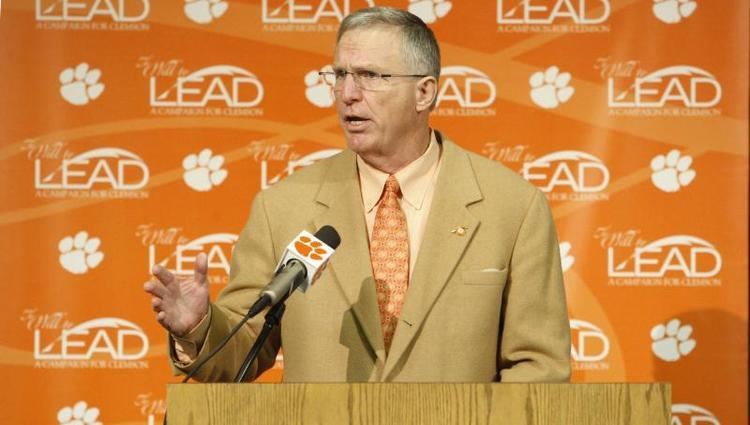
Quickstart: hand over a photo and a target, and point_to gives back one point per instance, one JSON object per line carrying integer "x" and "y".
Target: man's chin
{"x": 357, "y": 142}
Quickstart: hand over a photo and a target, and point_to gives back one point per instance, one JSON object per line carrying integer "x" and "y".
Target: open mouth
{"x": 355, "y": 121}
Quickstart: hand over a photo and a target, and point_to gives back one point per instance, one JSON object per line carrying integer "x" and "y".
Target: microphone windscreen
{"x": 329, "y": 236}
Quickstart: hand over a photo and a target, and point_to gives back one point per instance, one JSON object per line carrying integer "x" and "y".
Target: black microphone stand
{"x": 273, "y": 319}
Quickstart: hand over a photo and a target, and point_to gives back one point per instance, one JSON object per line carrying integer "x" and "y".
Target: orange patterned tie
{"x": 389, "y": 254}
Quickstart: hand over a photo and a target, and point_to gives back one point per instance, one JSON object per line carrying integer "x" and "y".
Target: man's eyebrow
{"x": 366, "y": 67}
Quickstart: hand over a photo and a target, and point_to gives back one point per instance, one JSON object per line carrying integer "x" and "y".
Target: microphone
{"x": 301, "y": 264}
{"x": 299, "y": 267}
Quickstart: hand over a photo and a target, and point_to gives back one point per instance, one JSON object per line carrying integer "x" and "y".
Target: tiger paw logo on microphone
{"x": 310, "y": 248}
{"x": 312, "y": 251}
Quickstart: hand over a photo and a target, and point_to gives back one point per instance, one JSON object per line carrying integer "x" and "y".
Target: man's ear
{"x": 426, "y": 93}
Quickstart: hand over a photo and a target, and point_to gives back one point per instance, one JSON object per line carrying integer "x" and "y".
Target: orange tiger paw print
{"x": 309, "y": 248}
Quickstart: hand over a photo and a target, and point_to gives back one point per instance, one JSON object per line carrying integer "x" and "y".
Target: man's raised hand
{"x": 180, "y": 303}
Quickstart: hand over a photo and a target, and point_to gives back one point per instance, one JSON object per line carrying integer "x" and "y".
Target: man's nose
{"x": 349, "y": 91}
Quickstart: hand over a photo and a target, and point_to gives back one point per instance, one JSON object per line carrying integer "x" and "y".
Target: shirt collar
{"x": 414, "y": 179}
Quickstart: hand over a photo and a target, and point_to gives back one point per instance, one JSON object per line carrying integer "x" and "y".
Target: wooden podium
{"x": 397, "y": 403}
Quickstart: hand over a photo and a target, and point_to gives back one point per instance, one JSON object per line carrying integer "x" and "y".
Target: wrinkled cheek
{"x": 339, "y": 105}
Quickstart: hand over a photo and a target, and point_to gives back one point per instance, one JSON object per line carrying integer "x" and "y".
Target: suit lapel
{"x": 350, "y": 264}
{"x": 440, "y": 249}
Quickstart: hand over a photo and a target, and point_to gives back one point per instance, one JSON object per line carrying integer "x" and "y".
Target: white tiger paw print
{"x": 203, "y": 172}
{"x": 550, "y": 88}
{"x": 566, "y": 259}
{"x": 79, "y": 414}
{"x": 78, "y": 254}
{"x": 81, "y": 85}
{"x": 672, "y": 172}
{"x": 318, "y": 92}
{"x": 205, "y": 11}
{"x": 430, "y": 10}
{"x": 672, "y": 11}
{"x": 672, "y": 341}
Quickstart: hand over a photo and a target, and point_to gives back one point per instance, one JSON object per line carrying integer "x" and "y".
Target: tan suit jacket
{"x": 488, "y": 305}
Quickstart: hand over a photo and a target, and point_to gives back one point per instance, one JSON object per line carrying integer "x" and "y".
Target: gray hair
{"x": 419, "y": 46}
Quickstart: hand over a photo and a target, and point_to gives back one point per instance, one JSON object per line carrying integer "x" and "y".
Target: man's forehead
{"x": 372, "y": 45}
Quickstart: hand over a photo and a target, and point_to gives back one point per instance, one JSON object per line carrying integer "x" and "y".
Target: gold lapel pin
{"x": 460, "y": 231}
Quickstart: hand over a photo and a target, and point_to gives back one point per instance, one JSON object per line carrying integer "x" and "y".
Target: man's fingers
{"x": 201, "y": 268}
{"x": 165, "y": 276}
{"x": 156, "y": 304}
{"x": 155, "y": 288}
{"x": 161, "y": 317}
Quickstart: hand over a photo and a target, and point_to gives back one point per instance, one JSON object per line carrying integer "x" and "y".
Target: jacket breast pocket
{"x": 484, "y": 277}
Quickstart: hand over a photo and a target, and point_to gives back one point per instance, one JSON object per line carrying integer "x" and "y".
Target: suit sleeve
{"x": 253, "y": 262}
{"x": 535, "y": 331}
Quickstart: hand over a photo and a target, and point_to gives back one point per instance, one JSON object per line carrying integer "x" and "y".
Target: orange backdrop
{"x": 139, "y": 131}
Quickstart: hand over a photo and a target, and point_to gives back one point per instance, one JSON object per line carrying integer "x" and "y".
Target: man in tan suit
{"x": 477, "y": 291}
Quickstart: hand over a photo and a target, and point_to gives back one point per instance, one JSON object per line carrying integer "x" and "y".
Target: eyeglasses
{"x": 364, "y": 79}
